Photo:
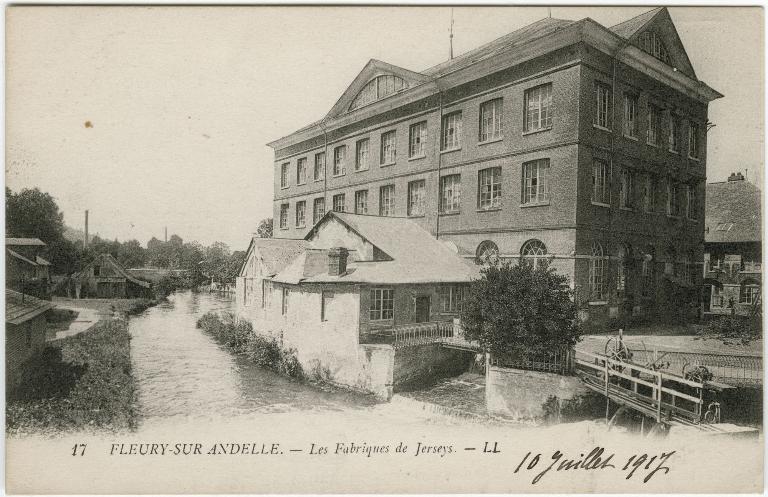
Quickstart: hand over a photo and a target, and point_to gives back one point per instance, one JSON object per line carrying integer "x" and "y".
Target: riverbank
{"x": 77, "y": 383}
{"x": 107, "y": 307}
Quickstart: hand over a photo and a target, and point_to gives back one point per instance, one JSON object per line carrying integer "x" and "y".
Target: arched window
{"x": 487, "y": 252}
{"x": 669, "y": 262}
{"x": 597, "y": 273}
{"x": 622, "y": 266}
{"x": 532, "y": 251}
{"x": 651, "y": 43}
{"x": 378, "y": 88}
{"x": 647, "y": 269}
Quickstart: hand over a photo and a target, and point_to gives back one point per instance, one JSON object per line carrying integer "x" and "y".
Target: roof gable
{"x": 274, "y": 254}
{"x": 372, "y": 70}
{"x": 657, "y": 23}
{"x": 107, "y": 259}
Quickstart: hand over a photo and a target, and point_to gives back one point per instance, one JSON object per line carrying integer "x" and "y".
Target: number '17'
{"x": 80, "y": 447}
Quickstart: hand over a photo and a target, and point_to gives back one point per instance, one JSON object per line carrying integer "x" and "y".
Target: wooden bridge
{"x": 668, "y": 398}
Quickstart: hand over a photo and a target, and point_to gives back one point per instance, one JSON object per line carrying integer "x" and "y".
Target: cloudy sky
{"x": 182, "y": 101}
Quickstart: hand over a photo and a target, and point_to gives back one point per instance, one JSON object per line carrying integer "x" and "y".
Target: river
{"x": 182, "y": 371}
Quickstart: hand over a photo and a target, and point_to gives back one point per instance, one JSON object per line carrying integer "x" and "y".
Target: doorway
{"x": 421, "y": 309}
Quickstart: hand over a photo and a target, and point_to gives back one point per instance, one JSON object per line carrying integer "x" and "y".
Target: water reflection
{"x": 183, "y": 372}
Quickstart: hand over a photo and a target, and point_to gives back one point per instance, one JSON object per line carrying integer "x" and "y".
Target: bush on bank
{"x": 239, "y": 336}
{"x": 77, "y": 382}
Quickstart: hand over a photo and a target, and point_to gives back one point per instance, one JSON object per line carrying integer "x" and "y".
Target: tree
{"x": 265, "y": 228}
{"x": 519, "y": 310}
{"x": 131, "y": 254}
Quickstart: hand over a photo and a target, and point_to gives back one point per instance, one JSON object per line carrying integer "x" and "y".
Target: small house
{"x": 25, "y": 327}
{"x": 105, "y": 278}
{"x": 25, "y": 270}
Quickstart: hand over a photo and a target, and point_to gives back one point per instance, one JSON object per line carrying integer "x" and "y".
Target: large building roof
{"x": 411, "y": 255}
{"x": 20, "y": 308}
{"x": 107, "y": 258}
{"x": 733, "y": 212}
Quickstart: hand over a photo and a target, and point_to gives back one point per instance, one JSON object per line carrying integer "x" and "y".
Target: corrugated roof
{"x": 15, "y": 254}
{"x": 20, "y": 308}
{"x": 629, "y": 27}
{"x": 277, "y": 253}
{"x": 24, "y": 241}
{"x": 734, "y": 208}
{"x": 417, "y": 257}
{"x": 506, "y": 42}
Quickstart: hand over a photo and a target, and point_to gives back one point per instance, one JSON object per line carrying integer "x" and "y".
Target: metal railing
{"x": 421, "y": 333}
{"x": 558, "y": 361}
{"x": 736, "y": 370}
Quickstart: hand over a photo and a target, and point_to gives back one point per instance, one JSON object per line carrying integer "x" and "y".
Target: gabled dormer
{"x": 377, "y": 81}
{"x": 654, "y": 33}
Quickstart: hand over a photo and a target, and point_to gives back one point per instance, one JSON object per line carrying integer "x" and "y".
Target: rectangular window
{"x": 361, "y": 202}
{"x": 387, "y": 200}
{"x": 284, "y": 174}
{"x": 538, "y": 108}
{"x": 339, "y": 155}
{"x": 318, "y": 209}
{"x": 693, "y": 141}
{"x": 630, "y": 115}
{"x": 450, "y": 134}
{"x": 489, "y": 188}
{"x": 382, "y": 304}
{"x": 451, "y": 297}
{"x": 648, "y": 278}
{"x": 748, "y": 294}
{"x": 301, "y": 171}
{"x": 286, "y": 296}
{"x": 319, "y": 172}
{"x": 626, "y": 189}
{"x": 603, "y": 101}
{"x": 717, "y": 297}
{"x": 417, "y": 136}
{"x": 654, "y": 121}
{"x": 450, "y": 193}
{"x": 597, "y": 278}
{"x": 301, "y": 210}
{"x": 536, "y": 181}
{"x": 388, "y": 148}
{"x": 416, "y": 198}
{"x": 600, "y": 183}
{"x": 361, "y": 157}
{"x": 325, "y": 300}
{"x": 283, "y": 216}
{"x": 491, "y": 114}
{"x": 692, "y": 206}
{"x": 673, "y": 199}
{"x": 649, "y": 194}
{"x": 338, "y": 202}
{"x": 674, "y": 133}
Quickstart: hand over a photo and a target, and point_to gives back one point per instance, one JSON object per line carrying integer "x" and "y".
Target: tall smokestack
{"x": 85, "y": 240}
{"x": 166, "y": 234}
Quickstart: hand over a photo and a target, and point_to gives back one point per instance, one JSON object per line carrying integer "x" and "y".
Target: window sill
{"x": 338, "y": 175}
{"x": 597, "y": 126}
{"x": 633, "y": 138}
{"x": 416, "y": 216}
{"x": 600, "y": 204}
{"x": 535, "y": 131}
{"x": 450, "y": 213}
{"x": 318, "y": 180}
{"x": 651, "y": 144}
{"x": 493, "y": 140}
{"x": 284, "y": 187}
{"x": 417, "y": 157}
{"x": 449, "y": 150}
{"x": 670, "y": 216}
{"x": 630, "y": 209}
{"x": 694, "y": 158}
{"x": 598, "y": 302}
{"x": 387, "y": 164}
{"x": 300, "y": 227}
{"x": 301, "y": 184}
{"x": 676, "y": 152}
{"x": 284, "y": 228}
{"x": 489, "y": 209}
{"x": 534, "y": 204}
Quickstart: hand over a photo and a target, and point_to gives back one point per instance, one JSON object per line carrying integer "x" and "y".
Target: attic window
{"x": 378, "y": 88}
{"x": 651, "y": 43}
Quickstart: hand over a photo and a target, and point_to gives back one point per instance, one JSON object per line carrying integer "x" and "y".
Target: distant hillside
{"x": 74, "y": 234}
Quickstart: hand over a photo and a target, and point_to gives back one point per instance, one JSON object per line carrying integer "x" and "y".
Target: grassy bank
{"x": 107, "y": 306}
{"x": 84, "y": 381}
{"x": 239, "y": 336}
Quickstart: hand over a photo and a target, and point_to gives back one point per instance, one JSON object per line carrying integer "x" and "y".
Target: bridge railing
{"x": 421, "y": 333}
{"x": 736, "y": 370}
{"x": 558, "y": 361}
{"x": 663, "y": 396}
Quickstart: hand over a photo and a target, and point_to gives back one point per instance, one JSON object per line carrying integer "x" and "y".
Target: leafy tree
{"x": 265, "y": 228}
{"x": 519, "y": 310}
{"x": 131, "y": 254}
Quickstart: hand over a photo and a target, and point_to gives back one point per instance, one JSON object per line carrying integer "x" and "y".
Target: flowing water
{"x": 181, "y": 371}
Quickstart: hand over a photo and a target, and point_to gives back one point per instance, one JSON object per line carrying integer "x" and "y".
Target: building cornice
{"x": 585, "y": 30}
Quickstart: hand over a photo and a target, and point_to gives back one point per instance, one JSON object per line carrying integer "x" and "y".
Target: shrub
{"x": 45, "y": 375}
{"x": 733, "y": 328}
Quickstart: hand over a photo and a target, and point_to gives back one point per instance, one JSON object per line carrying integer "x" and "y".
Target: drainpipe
{"x": 325, "y": 169}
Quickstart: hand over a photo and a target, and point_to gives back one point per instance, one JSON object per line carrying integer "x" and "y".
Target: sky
{"x": 159, "y": 116}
